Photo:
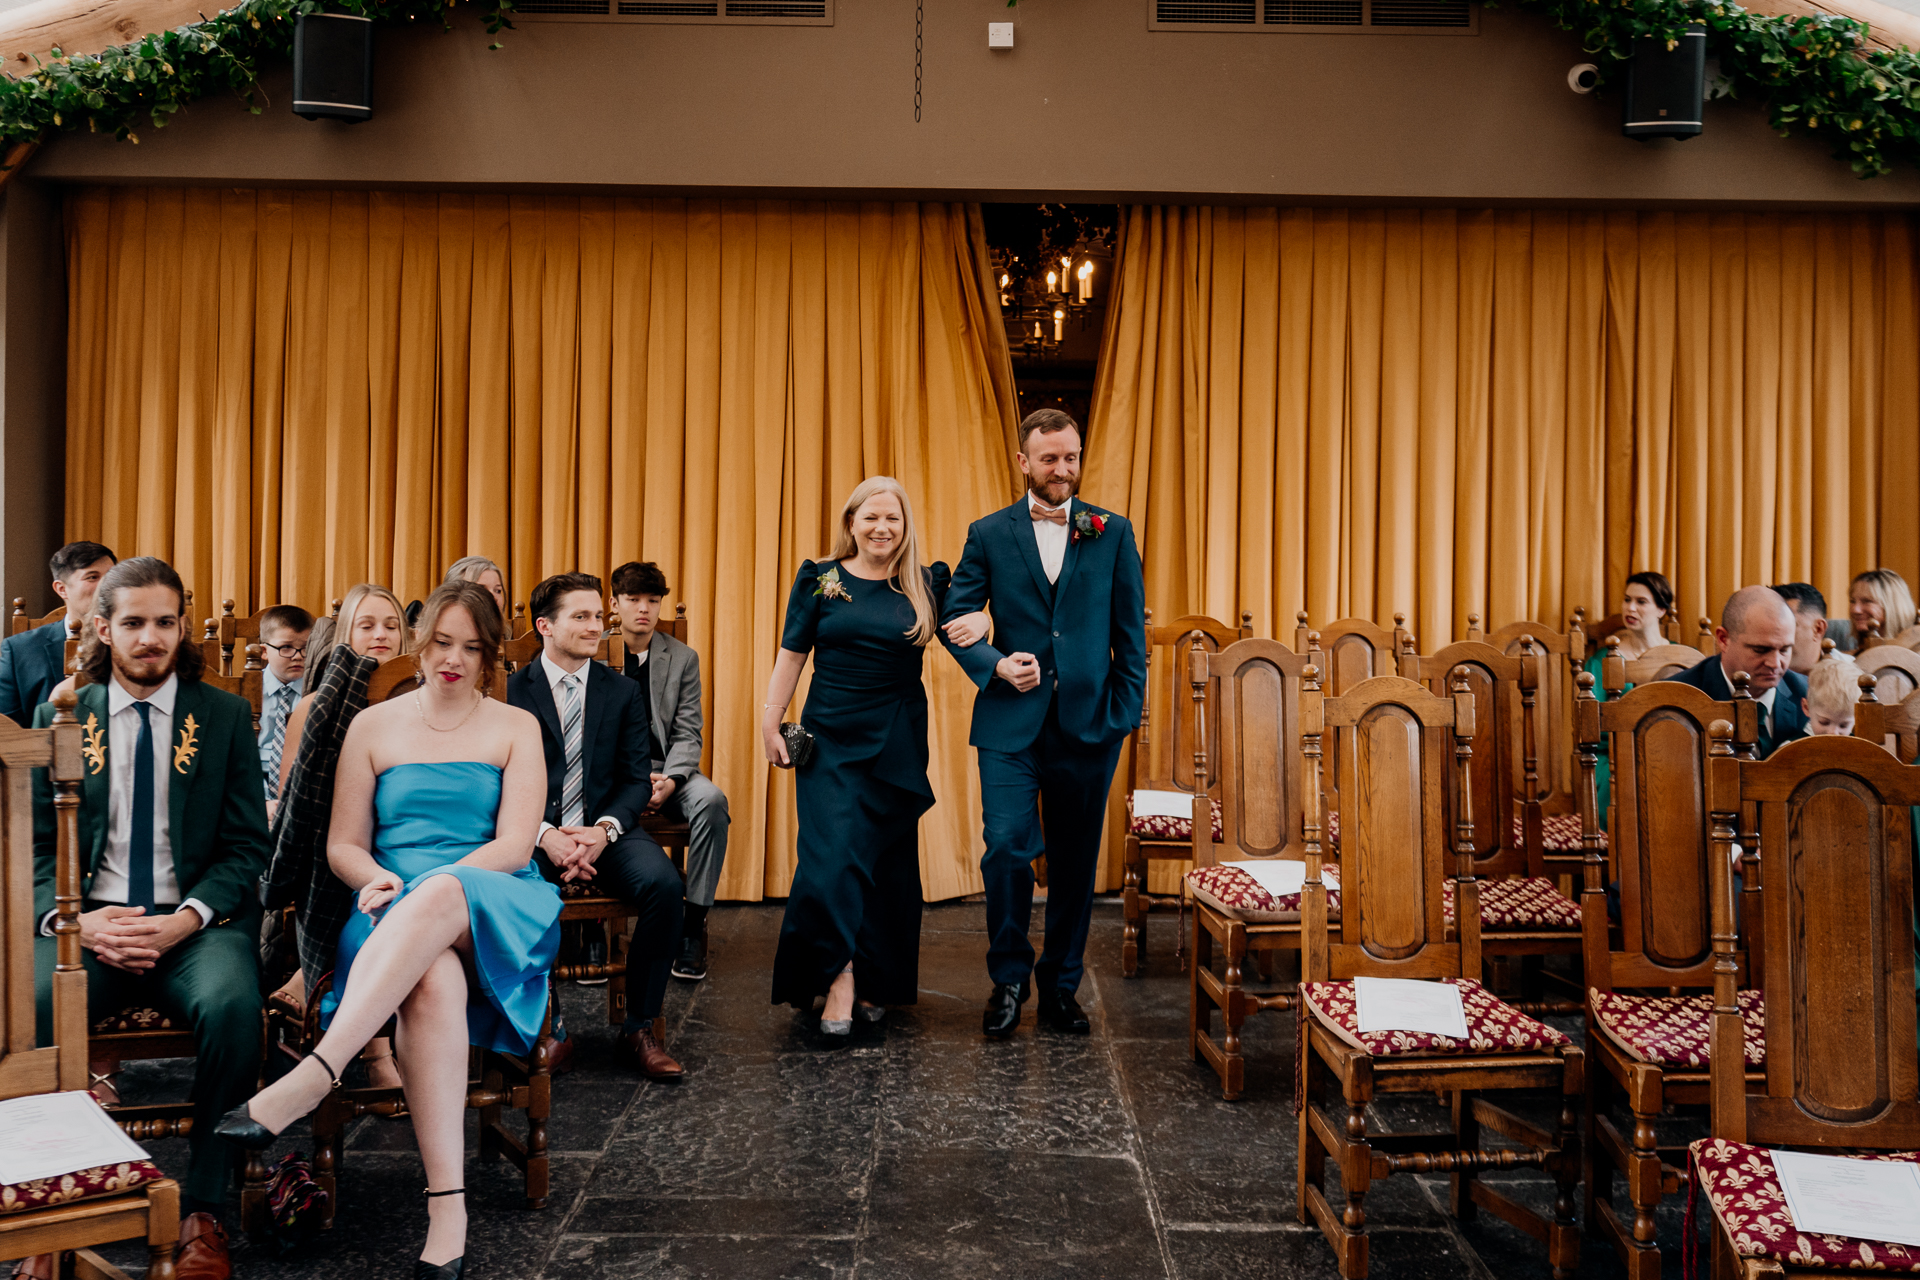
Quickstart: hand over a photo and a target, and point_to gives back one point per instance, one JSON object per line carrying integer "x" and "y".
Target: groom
{"x": 1061, "y": 684}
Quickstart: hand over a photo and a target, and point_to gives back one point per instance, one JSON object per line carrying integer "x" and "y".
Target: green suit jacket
{"x": 216, "y": 810}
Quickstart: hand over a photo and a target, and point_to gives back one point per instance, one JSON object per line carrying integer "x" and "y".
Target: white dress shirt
{"x": 123, "y": 736}
{"x": 1051, "y": 537}
{"x": 555, "y": 675}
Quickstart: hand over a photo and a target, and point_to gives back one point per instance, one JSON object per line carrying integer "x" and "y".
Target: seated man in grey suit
{"x": 668, "y": 673}
{"x": 34, "y": 661}
{"x": 1756, "y": 635}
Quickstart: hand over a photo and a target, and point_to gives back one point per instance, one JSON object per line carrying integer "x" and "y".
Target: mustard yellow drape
{"x": 1440, "y": 412}
{"x": 285, "y": 393}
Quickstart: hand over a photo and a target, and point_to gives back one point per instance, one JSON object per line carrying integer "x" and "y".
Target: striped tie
{"x": 571, "y": 811}
{"x": 277, "y": 738}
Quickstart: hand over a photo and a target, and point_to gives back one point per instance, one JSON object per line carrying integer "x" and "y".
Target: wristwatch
{"x": 606, "y": 825}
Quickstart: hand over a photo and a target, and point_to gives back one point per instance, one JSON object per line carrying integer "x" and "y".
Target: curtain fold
{"x": 287, "y": 392}
{"x": 1450, "y": 412}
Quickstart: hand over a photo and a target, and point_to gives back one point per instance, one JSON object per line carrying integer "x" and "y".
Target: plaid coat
{"x": 298, "y": 872}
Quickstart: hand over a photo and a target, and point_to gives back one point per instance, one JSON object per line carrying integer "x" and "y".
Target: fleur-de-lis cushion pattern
{"x": 87, "y": 1184}
{"x": 1169, "y": 830}
{"x": 133, "y": 1018}
{"x": 1744, "y": 1190}
{"x": 1558, "y": 834}
{"x": 1492, "y": 1026}
{"x": 1519, "y": 904}
{"x": 1675, "y": 1031}
{"x": 1231, "y": 891}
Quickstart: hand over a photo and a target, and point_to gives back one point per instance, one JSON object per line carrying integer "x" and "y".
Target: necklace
{"x": 421, "y": 707}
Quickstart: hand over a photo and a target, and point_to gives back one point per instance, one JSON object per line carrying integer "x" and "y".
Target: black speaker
{"x": 333, "y": 66}
{"x": 1665, "y": 87}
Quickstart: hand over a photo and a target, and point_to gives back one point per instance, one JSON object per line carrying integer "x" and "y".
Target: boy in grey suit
{"x": 668, "y": 673}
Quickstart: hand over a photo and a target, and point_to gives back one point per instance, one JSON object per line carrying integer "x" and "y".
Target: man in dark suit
{"x": 1061, "y": 684}
{"x": 595, "y": 732}
{"x": 1756, "y": 635}
{"x": 173, "y": 838}
{"x": 34, "y": 661}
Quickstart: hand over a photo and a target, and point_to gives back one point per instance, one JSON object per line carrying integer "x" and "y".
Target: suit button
{"x": 1056, "y": 635}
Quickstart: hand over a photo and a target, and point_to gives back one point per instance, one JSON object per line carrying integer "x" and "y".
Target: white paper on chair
{"x": 1875, "y": 1200}
{"x": 47, "y": 1134}
{"x": 1163, "y": 804}
{"x": 1283, "y": 876}
{"x": 1409, "y": 1004}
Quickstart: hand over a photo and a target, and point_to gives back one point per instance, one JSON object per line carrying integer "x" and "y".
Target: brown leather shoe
{"x": 41, "y": 1266}
{"x": 641, "y": 1050}
{"x": 559, "y": 1056}
{"x": 203, "y": 1249}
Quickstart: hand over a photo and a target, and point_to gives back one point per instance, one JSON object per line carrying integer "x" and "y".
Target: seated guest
{"x": 485, "y": 572}
{"x": 1879, "y": 604}
{"x": 1832, "y": 692}
{"x": 1755, "y": 635}
{"x": 1644, "y": 602}
{"x": 33, "y": 662}
{"x": 1809, "y": 623}
{"x": 173, "y": 838}
{"x": 594, "y": 729}
{"x": 668, "y": 675}
{"x": 284, "y": 632}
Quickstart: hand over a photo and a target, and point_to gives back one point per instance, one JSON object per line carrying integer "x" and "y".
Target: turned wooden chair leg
{"x": 1644, "y": 1176}
{"x": 1233, "y": 1073}
{"x": 1563, "y": 1239}
{"x": 1356, "y": 1176}
{"x": 1312, "y": 1157}
{"x": 1133, "y": 909}
{"x": 1466, "y": 1132}
{"x": 1199, "y": 1004}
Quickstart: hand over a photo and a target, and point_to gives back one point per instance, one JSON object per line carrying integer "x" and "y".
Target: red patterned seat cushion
{"x": 87, "y": 1184}
{"x": 133, "y": 1018}
{"x": 1519, "y": 904}
{"x": 1492, "y": 1026}
{"x": 1558, "y": 834}
{"x": 1744, "y": 1190}
{"x": 1675, "y": 1031}
{"x": 1231, "y": 891}
{"x": 1169, "y": 830}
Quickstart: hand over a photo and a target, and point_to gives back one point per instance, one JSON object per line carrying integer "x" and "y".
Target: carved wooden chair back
{"x": 1895, "y": 726}
{"x": 1658, "y": 663}
{"x": 25, "y": 1068}
{"x": 1560, "y": 657}
{"x": 21, "y": 622}
{"x": 249, "y": 682}
{"x": 1391, "y": 737}
{"x": 613, "y": 645}
{"x": 1255, "y": 763}
{"x": 1908, "y": 639}
{"x": 1896, "y": 671}
{"x": 1836, "y": 871}
{"x": 517, "y": 651}
{"x": 1165, "y": 760}
{"x": 1505, "y": 751}
{"x": 1659, "y": 831}
{"x": 234, "y": 633}
{"x": 1355, "y": 649}
{"x": 1703, "y": 640}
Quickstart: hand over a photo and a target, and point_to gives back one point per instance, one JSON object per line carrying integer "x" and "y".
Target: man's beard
{"x": 1038, "y": 489}
{"x": 146, "y": 671}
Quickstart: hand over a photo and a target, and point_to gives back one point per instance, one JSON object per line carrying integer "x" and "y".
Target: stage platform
{"x": 920, "y": 1151}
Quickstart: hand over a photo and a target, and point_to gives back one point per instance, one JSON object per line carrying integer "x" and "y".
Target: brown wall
{"x": 33, "y": 375}
{"x": 1090, "y": 105}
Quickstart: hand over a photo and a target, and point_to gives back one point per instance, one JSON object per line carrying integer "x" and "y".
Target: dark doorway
{"x": 1054, "y": 329}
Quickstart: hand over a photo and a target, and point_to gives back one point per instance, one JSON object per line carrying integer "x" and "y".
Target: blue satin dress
{"x": 426, "y": 818}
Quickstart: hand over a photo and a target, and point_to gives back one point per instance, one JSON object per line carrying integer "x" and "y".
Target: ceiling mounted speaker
{"x": 1666, "y": 87}
{"x": 333, "y": 66}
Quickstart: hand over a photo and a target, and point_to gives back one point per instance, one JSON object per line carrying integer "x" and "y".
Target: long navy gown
{"x": 856, "y": 890}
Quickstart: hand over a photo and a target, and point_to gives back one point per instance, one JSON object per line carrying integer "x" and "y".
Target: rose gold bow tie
{"x": 1058, "y": 515}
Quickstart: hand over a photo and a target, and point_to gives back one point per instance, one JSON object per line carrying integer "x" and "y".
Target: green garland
{"x": 1817, "y": 75}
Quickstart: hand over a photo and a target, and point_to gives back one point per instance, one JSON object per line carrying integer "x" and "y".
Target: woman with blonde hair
{"x": 483, "y": 571}
{"x": 1879, "y": 604}
{"x": 865, "y": 612}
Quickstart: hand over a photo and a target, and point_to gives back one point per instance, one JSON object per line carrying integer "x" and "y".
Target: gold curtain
{"x": 287, "y": 392}
{"x": 1441, "y": 412}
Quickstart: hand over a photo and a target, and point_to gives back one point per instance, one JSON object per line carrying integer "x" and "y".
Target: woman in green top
{"x": 1644, "y": 603}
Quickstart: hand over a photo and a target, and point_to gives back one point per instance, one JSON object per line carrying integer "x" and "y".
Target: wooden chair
{"x": 1841, "y": 1074}
{"x": 1392, "y": 736}
{"x": 1895, "y": 726}
{"x": 1253, "y": 762}
{"x": 1896, "y": 671}
{"x": 141, "y": 1203}
{"x": 1908, "y": 639}
{"x": 1166, "y": 764}
{"x": 1560, "y": 657}
{"x": 1522, "y": 911}
{"x": 1355, "y": 649}
{"x": 235, "y": 633}
{"x": 1647, "y": 1035}
{"x": 1657, "y": 663}
{"x": 21, "y": 622}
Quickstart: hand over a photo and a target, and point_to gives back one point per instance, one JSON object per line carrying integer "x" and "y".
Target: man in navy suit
{"x": 34, "y": 661}
{"x": 1061, "y": 683}
{"x": 1756, "y": 635}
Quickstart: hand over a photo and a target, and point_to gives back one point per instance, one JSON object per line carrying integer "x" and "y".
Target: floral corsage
{"x": 830, "y": 586}
{"x": 1088, "y": 525}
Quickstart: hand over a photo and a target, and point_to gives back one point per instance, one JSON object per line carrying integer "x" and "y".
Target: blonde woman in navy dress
{"x": 865, "y": 612}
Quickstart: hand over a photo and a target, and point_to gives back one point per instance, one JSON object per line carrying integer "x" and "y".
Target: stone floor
{"x": 920, "y": 1150}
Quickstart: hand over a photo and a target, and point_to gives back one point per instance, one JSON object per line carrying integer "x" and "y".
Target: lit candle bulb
{"x": 1036, "y": 331}
{"x": 1086, "y": 281}
{"x": 1052, "y": 278}
{"x": 1059, "y": 324}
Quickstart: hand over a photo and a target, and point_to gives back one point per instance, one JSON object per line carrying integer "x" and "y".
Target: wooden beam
{"x": 1889, "y": 27}
{"x": 86, "y": 26}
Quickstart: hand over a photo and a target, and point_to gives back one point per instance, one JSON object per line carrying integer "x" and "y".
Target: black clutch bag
{"x": 800, "y": 746}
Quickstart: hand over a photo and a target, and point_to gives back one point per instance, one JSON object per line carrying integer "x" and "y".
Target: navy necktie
{"x": 140, "y": 833}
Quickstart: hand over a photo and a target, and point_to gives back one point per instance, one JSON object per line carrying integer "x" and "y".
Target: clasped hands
{"x": 1021, "y": 670}
{"x": 573, "y": 850}
{"x": 131, "y": 940}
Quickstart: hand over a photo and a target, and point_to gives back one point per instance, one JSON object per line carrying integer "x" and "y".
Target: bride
{"x": 436, "y": 802}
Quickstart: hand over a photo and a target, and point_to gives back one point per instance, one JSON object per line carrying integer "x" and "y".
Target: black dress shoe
{"x": 1059, "y": 1010}
{"x": 1003, "y": 1009}
{"x": 691, "y": 964}
{"x": 440, "y": 1271}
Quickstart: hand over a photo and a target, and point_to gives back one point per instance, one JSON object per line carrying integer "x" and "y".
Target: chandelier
{"x": 1053, "y": 280}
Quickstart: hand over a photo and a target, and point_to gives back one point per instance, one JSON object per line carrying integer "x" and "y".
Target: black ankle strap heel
{"x": 240, "y": 1128}
{"x": 454, "y": 1270}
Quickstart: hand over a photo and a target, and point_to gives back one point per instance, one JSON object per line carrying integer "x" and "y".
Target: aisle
{"x": 920, "y": 1151}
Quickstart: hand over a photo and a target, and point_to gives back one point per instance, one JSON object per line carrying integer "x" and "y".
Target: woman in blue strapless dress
{"x": 437, "y": 798}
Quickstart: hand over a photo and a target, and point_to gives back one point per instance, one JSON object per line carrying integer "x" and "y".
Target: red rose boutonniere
{"x": 1088, "y": 525}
